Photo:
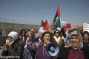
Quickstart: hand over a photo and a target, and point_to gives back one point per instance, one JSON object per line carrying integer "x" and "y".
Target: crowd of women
{"x": 32, "y": 45}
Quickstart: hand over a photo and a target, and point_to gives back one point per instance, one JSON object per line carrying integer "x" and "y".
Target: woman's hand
{"x": 9, "y": 43}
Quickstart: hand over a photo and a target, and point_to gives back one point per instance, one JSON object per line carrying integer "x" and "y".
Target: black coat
{"x": 16, "y": 49}
{"x": 64, "y": 52}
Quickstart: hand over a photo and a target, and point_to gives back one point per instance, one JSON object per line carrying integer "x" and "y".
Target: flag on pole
{"x": 56, "y": 20}
{"x": 42, "y": 23}
{"x": 46, "y": 25}
{"x": 42, "y": 26}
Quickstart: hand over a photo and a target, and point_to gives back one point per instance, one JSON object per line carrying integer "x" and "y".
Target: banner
{"x": 85, "y": 27}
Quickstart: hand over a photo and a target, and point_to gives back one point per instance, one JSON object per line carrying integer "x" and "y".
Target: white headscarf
{"x": 14, "y": 35}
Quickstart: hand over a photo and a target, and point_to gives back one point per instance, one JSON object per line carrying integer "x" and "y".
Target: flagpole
{"x": 13, "y": 25}
{"x": 43, "y": 9}
{"x": 83, "y": 25}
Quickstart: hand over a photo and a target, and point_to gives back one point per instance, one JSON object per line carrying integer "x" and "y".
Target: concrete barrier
{"x": 2, "y": 40}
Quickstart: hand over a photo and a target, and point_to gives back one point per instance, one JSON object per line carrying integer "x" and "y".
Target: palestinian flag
{"x": 56, "y": 20}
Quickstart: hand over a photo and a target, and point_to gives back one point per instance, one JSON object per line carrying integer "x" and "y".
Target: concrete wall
{"x": 6, "y": 27}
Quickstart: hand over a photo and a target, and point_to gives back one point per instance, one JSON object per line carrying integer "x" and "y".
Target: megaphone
{"x": 52, "y": 49}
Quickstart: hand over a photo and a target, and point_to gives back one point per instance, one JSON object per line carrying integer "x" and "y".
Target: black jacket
{"x": 16, "y": 49}
{"x": 64, "y": 52}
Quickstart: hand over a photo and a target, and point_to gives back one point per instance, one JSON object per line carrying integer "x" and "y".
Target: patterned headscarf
{"x": 68, "y": 44}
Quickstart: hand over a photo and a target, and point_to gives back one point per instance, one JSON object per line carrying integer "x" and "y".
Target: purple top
{"x": 39, "y": 53}
{"x": 29, "y": 40}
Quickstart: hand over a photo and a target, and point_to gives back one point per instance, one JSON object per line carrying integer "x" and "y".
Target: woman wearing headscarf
{"x": 13, "y": 46}
{"x": 73, "y": 49}
{"x": 41, "y": 51}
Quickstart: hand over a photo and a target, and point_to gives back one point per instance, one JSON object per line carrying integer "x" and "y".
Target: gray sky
{"x": 33, "y": 11}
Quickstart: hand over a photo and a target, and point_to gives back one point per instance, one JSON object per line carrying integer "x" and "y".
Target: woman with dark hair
{"x": 57, "y": 37}
{"x": 86, "y": 42}
{"x": 41, "y": 51}
{"x": 86, "y": 38}
{"x": 30, "y": 43}
{"x": 74, "y": 49}
{"x": 22, "y": 34}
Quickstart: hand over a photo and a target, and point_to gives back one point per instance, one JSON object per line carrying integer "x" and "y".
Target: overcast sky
{"x": 33, "y": 11}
